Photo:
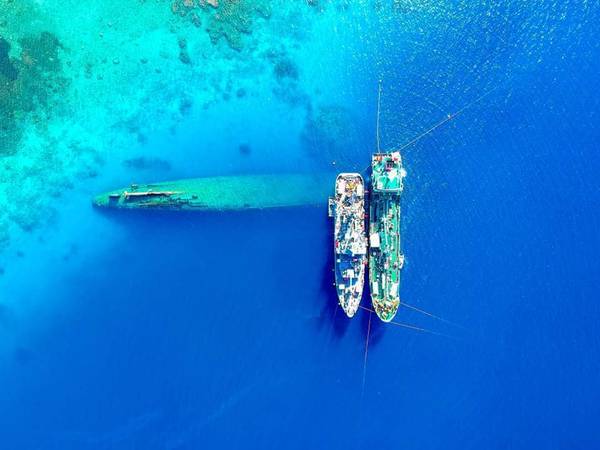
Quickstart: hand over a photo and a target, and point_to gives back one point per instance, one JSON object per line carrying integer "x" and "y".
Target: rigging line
{"x": 378, "y": 112}
{"x": 433, "y": 316}
{"x": 366, "y": 354}
{"x": 448, "y": 118}
{"x": 430, "y": 130}
{"x": 412, "y": 327}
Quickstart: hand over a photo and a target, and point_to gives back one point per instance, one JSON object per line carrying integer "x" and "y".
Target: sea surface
{"x": 220, "y": 330}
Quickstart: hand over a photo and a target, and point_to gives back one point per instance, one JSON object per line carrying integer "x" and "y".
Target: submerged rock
{"x": 185, "y": 105}
{"x": 245, "y": 149}
{"x": 143, "y": 163}
{"x": 184, "y": 57}
{"x": 286, "y": 75}
{"x": 329, "y": 134}
{"x": 285, "y": 68}
{"x": 4, "y": 235}
{"x": 7, "y": 69}
{"x": 72, "y": 251}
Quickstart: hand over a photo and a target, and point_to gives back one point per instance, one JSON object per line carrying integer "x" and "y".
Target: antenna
{"x": 378, "y": 110}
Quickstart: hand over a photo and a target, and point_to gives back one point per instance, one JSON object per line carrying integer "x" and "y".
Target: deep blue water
{"x": 221, "y": 330}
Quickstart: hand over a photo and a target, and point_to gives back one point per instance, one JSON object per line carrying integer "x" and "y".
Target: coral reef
{"x": 226, "y": 19}
{"x": 28, "y": 85}
{"x": 234, "y": 18}
{"x": 72, "y": 97}
{"x": 39, "y": 71}
{"x": 9, "y": 132}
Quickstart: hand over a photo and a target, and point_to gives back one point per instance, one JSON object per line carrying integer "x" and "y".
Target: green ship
{"x": 385, "y": 256}
{"x": 223, "y": 193}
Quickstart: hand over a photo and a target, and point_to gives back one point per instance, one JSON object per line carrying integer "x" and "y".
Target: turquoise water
{"x": 183, "y": 331}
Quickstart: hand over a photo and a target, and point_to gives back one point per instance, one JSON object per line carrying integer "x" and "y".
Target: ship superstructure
{"x": 385, "y": 256}
{"x": 350, "y": 240}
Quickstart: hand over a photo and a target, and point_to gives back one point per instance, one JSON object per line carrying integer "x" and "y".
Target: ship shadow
{"x": 331, "y": 316}
{"x": 331, "y": 310}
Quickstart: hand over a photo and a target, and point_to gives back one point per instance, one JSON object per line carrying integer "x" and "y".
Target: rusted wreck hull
{"x": 223, "y": 193}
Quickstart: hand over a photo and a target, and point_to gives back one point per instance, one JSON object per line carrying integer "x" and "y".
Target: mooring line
{"x": 446, "y": 119}
{"x": 431, "y": 129}
{"x": 366, "y": 354}
{"x": 378, "y": 111}
{"x": 433, "y": 316}
{"x": 412, "y": 327}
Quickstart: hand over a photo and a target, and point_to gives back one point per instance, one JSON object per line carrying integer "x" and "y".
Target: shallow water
{"x": 178, "y": 331}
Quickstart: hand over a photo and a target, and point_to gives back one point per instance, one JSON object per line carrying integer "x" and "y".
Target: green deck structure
{"x": 223, "y": 193}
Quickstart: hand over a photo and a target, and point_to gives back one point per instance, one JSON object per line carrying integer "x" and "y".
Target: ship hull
{"x": 350, "y": 241}
{"x": 385, "y": 256}
{"x": 222, "y": 193}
